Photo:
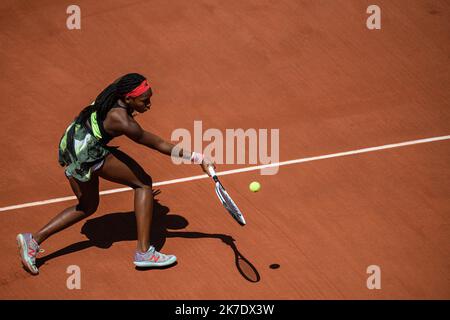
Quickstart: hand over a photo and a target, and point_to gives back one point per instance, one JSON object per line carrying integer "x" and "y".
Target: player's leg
{"x": 121, "y": 168}
{"x": 88, "y": 199}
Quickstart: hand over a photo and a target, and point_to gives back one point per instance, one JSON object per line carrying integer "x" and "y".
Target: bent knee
{"x": 145, "y": 182}
{"x": 145, "y": 188}
{"x": 88, "y": 209}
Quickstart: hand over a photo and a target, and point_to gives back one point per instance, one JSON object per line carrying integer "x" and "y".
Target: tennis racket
{"x": 225, "y": 198}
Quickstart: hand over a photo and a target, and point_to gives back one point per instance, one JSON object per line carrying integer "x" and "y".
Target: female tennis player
{"x": 84, "y": 153}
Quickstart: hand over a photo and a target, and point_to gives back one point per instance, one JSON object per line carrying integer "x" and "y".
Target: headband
{"x": 143, "y": 87}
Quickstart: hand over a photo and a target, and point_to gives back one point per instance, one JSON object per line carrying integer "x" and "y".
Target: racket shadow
{"x": 243, "y": 265}
{"x": 104, "y": 231}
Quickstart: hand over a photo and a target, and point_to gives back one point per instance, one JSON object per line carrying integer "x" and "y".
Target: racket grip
{"x": 211, "y": 171}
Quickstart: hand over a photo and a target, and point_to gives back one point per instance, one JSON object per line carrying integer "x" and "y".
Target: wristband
{"x": 197, "y": 158}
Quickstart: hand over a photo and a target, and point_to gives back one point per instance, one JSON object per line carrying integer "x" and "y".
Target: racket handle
{"x": 211, "y": 171}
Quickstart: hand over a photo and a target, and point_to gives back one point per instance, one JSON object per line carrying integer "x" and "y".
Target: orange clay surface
{"x": 309, "y": 68}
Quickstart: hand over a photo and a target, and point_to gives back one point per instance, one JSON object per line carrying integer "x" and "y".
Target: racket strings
{"x": 229, "y": 202}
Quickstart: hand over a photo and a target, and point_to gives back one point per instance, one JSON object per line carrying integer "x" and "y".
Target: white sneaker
{"x": 153, "y": 258}
{"x": 28, "y": 249}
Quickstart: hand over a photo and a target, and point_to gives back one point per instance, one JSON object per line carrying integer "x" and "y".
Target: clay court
{"x": 311, "y": 69}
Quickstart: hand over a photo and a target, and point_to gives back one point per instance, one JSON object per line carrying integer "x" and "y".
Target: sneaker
{"x": 28, "y": 249}
{"x": 153, "y": 258}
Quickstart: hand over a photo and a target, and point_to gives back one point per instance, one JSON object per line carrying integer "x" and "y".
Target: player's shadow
{"x": 103, "y": 231}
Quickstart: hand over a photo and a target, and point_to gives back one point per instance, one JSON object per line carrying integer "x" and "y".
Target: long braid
{"x": 104, "y": 102}
{"x": 109, "y": 96}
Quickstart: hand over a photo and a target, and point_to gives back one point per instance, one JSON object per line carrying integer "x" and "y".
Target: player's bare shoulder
{"x": 117, "y": 121}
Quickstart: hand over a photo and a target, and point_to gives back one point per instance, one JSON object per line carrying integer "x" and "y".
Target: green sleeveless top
{"x": 82, "y": 146}
{"x": 88, "y": 150}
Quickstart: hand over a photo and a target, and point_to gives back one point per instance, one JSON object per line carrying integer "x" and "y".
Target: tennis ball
{"x": 254, "y": 186}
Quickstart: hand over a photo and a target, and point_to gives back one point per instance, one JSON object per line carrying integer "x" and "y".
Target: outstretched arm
{"x": 134, "y": 131}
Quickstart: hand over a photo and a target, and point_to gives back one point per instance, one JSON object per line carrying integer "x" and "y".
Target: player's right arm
{"x": 129, "y": 127}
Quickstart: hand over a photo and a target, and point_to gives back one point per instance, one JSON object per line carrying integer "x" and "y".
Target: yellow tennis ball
{"x": 254, "y": 186}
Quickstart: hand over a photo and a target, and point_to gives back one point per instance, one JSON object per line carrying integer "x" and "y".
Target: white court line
{"x": 284, "y": 163}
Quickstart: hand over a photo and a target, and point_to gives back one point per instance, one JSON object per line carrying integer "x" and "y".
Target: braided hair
{"x": 104, "y": 102}
{"x": 109, "y": 96}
